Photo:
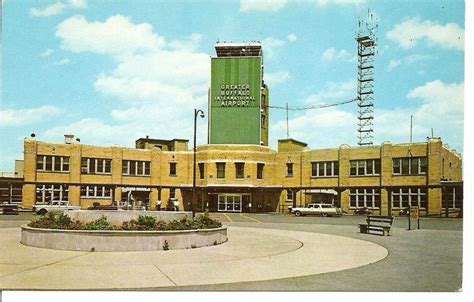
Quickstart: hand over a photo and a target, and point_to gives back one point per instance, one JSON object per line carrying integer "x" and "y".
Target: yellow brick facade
{"x": 247, "y": 193}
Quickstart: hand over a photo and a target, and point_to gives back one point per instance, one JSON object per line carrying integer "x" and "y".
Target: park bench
{"x": 8, "y": 209}
{"x": 377, "y": 225}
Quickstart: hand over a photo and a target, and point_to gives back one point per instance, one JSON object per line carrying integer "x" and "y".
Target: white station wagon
{"x": 317, "y": 209}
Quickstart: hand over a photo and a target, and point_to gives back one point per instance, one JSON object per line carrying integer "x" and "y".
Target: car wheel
{"x": 297, "y": 213}
{"x": 42, "y": 212}
{"x": 324, "y": 214}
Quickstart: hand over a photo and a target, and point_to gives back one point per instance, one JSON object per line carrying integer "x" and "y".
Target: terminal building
{"x": 236, "y": 171}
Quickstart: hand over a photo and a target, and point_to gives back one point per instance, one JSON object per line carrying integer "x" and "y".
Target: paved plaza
{"x": 264, "y": 252}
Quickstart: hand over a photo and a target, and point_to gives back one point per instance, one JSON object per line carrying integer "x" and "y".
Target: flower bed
{"x": 143, "y": 223}
{"x": 143, "y": 234}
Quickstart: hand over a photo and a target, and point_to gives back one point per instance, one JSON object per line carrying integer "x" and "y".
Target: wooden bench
{"x": 8, "y": 209}
{"x": 378, "y": 225}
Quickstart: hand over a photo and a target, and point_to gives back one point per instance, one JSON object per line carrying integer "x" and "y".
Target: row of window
{"x": 239, "y": 170}
{"x": 367, "y": 167}
{"x": 370, "y": 198}
{"x": 52, "y": 163}
{"x": 410, "y": 165}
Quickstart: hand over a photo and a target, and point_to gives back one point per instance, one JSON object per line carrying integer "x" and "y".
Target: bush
{"x": 99, "y": 224}
{"x": 147, "y": 221}
{"x": 56, "y": 221}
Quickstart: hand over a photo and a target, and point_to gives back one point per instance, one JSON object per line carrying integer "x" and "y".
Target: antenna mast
{"x": 366, "y": 44}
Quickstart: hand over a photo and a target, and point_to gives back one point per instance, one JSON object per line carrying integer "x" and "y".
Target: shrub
{"x": 147, "y": 221}
{"x": 99, "y": 224}
{"x": 166, "y": 246}
{"x": 55, "y": 221}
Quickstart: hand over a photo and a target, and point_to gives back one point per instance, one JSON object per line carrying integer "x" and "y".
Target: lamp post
{"x": 201, "y": 114}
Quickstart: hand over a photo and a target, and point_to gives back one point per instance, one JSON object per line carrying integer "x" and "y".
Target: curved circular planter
{"x": 121, "y": 241}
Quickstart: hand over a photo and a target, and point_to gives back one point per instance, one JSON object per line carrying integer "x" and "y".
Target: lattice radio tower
{"x": 366, "y": 50}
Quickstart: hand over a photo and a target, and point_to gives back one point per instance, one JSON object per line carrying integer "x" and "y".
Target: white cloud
{"x": 62, "y": 61}
{"x": 318, "y": 127}
{"x": 157, "y": 84}
{"x": 441, "y": 108}
{"x": 407, "y": 33}
{"x": 292, "y": 37}
{"x": 57, "y": 8}
{"x": 51, "y": 10}
{"x": 278, "y": 77}
{"x": 78, "y": 3}
{"x": 271, "y": 46}
{"x": 435, "y": 105}
{"x": 331, "y": 54}
{"x": 116, "y": 36}
{"x": 322, "y": 3}
{"x": 21, "y": 117}
{"x": 333, "y": 92}
{"x": 47, "y": 52}
{"x": 262, "y": 5}
{"x": 190, "y": 43}
{"x": 394, "y": 63}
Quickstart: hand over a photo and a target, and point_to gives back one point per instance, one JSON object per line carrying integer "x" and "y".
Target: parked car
{"x": 362, "y": 211}
{"x": 54, "y": 206}
{"x": 107, "y": 207}
{"x": 317, "y": 209}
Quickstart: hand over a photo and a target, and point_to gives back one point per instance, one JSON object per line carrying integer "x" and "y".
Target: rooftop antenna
{"x": 411, "y": 129}
{"x": 366, "y": 50}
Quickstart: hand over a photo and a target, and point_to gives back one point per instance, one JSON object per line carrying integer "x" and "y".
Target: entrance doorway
{"x": 230, "y": 202}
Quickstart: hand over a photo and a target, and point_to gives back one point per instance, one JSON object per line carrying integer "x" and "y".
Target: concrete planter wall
{"x": 117, "y": 217}
{"x": 120, "y": 241}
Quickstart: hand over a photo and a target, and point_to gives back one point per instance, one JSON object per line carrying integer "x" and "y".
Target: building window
{"x": 289, "y": 195}
{"x": 260, "y": 168}
{"x": 364, "y": 198}
{"x": 403, "y": 197}
{"x": 239, "y": 170}
{"x": 324, "y": 169}
{"x": 52, "y": 163}
{"x": 365, "y": 167}
{"x": 289, "y": 169}
{"x": 96, "y": 165}
{"x": 409, "y": 166}
{"x": 135, "y": 168}
{"x": 172, "y": 169}
{"x": 172, "y": 193}
{"x": 453, "y": 197}
{"x": 201, "y": 170}
{"x": 220, "y": 170}
{"x": 49, "y": 193}
{"x": 96, "y": 192}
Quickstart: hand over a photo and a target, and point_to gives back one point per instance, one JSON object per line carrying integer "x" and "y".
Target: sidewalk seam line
{"x": 45, "y": 265}
{"x": 167, "y": 277}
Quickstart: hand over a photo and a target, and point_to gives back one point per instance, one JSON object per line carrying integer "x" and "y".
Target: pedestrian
{"x": 158, "y": 205}
{"x": 176, "y": 205}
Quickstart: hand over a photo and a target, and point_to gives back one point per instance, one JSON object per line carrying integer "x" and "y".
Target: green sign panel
{"x": 234, "y": 102}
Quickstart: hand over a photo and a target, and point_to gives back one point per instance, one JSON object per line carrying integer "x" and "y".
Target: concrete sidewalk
{"x": 251, "y": 254}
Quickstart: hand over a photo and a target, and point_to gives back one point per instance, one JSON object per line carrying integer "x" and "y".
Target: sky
{"x": 113, "y": 71}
